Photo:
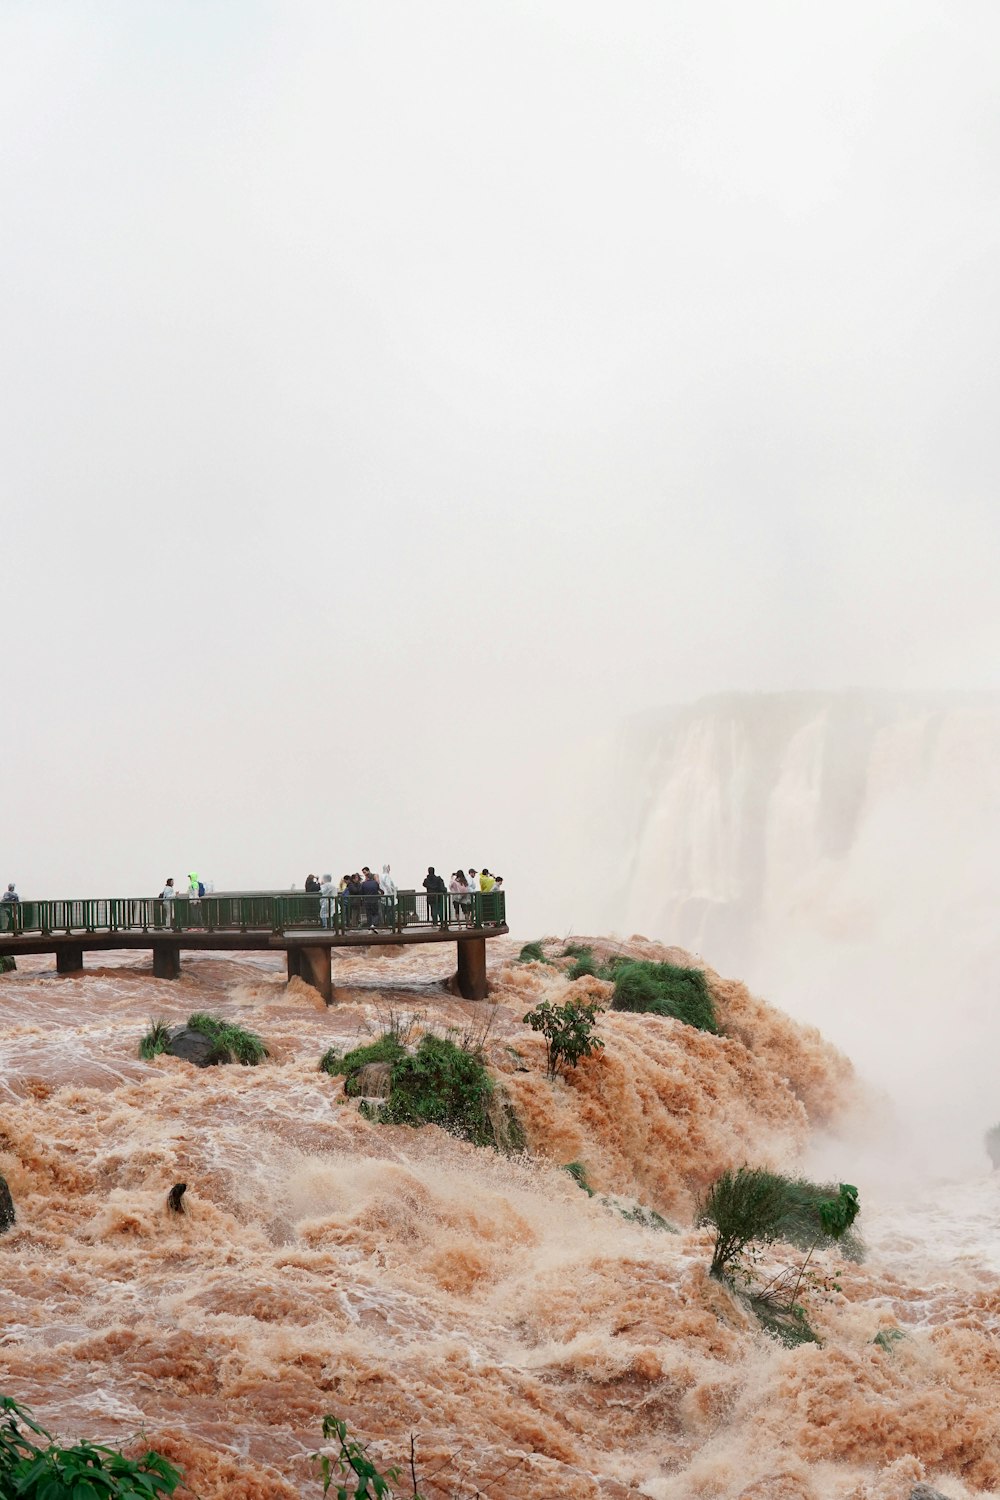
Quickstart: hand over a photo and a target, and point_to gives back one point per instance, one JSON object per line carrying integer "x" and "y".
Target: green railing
{"x": 247, "y": 913}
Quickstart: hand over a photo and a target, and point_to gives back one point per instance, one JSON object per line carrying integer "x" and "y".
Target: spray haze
{"x": 390, "y": 395}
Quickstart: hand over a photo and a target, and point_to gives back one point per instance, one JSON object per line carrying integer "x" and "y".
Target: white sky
{"x": 395, "y": 395}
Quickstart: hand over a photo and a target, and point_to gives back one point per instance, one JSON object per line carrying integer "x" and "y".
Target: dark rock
{"x": 7, "y": 963}
{"x": 195, "y": 1047}
{"x": 6, "y": 1207}
{"x": 923, "y": 1491}
{"x": 174, "y": 1197}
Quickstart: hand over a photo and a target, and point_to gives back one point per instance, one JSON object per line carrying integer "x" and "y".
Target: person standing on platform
{"x": 388, "y": 897}
{"x": 326, "y": 893}
{"x": 436, "y": 889}
{"x": 371, "y": 891}
{"x": 167, "y": 896}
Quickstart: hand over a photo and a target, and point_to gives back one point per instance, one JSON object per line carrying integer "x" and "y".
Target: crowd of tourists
{"x": 368, "y": 899}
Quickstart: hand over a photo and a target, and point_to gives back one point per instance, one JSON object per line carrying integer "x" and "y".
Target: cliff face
{"x": 840, "y": 852}
{"x": 850, "y": 818}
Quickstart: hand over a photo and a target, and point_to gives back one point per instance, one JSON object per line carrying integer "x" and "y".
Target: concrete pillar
{"x": 471, "y": 974}
{"x": 294, "y": 963}
{"x": 314, "y": 968}
{"x": 69, "y": 960}
{"x": 167, "y": 960}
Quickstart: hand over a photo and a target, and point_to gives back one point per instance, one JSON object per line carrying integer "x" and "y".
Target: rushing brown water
{"x": 536, "y": 1342}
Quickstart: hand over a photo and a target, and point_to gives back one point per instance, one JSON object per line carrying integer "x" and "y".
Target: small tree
{"x": 568, "y": 1030}
{"x": 744, "y": 1206}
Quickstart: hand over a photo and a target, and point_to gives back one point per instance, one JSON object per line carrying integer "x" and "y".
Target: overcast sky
{"x": 395, "y": 395}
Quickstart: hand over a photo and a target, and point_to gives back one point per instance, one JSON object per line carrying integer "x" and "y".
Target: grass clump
{"x": 8, "y": 963}
{"x": 664, "y": 990}
{"x": 232, "y": 1043}
{"x": 888, "y": 1338}
{"x": 86, "y": 1471}
{"x": 155, "y": 1041}
{"x": 532, "y": 953}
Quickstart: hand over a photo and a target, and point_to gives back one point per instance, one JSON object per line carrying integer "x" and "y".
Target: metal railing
{"x": 276, "y": 914}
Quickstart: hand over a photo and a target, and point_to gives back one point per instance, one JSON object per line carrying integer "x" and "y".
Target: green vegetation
{"x": 532, "y": 953}
{"x": 888, "y": 1338}
{"x": 352, "y": 1471}
{"x": 568, "y": 1030}
{"x": 232, "y": 1043}
{"x": 664, "y": 990}
{"x": 155, "y": 1040}
{"x": 8, "y": 964}
{"x": 577, "y": 950}
{"x": 385, "y": 1050}
{"x": 752, "y": 1207}
{"x": 440, "y": 1084}
{"x": 640, "y": 1213}
{"x": 85, "y": 1471}
{"x": 578, "y": 1172}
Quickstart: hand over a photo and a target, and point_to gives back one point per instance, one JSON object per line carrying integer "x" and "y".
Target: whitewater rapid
{"x": 537, "y": 1342}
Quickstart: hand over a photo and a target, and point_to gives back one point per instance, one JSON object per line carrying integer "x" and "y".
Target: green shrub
{"x": 744, "y": 1207}
{"x": 440, "y": 1084}
{"x": 807, "y": 1220}
{"x": 577, "y": 950}
{"x": 231, "y": 1041}
{"x": 888, "y": 1338}
{"x": 532, "y": 953}
{"x": 155, "y": 1041}
{"x": 8, "y": 963}
{"x": 568, "y": 1030}
{"x": 664, "y": 990}
{"x": 752, "y": 1205}
{"x": 85, "y": 1471}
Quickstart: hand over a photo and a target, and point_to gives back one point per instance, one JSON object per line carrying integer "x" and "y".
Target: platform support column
{"x": 69, "y": 960}
{"x": 167, "y": 960}
{"x": 314, "y": 968}
{"x": 471, "y": 975}
{"x": 294, "y": 963}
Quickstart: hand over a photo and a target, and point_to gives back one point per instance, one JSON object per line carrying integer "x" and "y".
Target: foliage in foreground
{"x": 664, "y": 990}
{"x": 85, "y": 1471}
{"x": 568, "y": 1031}
{"x": 438, "y": 1083}
{"x": 351, "y": 1474}
{"x": 244, "y": 1047}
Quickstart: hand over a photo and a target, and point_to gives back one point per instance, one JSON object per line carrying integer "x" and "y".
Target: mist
{"x": 396, "y": 399}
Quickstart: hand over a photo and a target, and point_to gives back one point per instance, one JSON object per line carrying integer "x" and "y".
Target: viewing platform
{"x": 305, "y": 927}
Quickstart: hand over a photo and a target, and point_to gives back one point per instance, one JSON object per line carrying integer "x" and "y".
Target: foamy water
{"x": 537, "y": 1343}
